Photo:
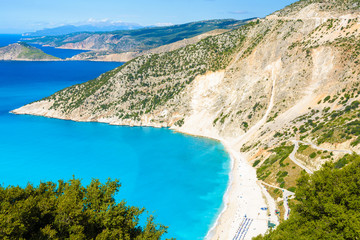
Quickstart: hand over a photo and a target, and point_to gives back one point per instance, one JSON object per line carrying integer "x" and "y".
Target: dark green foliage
{"x": 328, "y": 205}
{"x": 345, "y": 160}
{"x": 355, "y": 142}
{"x": 312, "y": 155}
{"x": 68, "y": 210}
{"x": 292, "y": 189}
{"x": 277, "y": 134}
{"x": 302, "y": 129}
{"x": 180, "y": 122}
{"x": 256, "y": 163}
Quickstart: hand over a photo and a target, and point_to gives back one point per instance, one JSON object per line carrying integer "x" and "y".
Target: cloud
{"x": 241, "y": 12}
{"x": 99, "y": 21}
{"x": 163, "y": 24}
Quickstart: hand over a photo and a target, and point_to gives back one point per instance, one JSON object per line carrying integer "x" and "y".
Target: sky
{"x": 18, "y": 16}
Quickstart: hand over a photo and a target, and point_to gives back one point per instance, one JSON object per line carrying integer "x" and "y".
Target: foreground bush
{"x": 68, "y": 210}
{"x": 328, "y": 205}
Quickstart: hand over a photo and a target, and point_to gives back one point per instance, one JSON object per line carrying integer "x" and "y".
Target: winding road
{"x": 293, "y": 158}
{"x": 296, "y": 143}
{"x": 286, "y": 193}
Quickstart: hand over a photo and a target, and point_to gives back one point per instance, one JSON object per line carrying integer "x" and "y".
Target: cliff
{"x": 24, "y": 52}
{"x": 281, "y": 92}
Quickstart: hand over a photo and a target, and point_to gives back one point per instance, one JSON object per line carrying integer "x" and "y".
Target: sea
{"x": 180, "y": 179}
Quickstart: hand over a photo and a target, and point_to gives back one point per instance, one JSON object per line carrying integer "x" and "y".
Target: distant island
{"x": 24, "y": 52}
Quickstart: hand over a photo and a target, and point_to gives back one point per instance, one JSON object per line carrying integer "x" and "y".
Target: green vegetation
{"x": 152, "y": 81}
{"x": 23, "y": 51}
{"x": 310, "y": 155}
{"x": 345, "y": 160}
{"x": 256, "y": 163}
{"x": 144, "y": 38}
{"x": 327, "y": 205}
{"x": 302, "y": 147}
{"x": 29, "y": 52}
{"x": 279, "y": 155}
{"x": 335, "y": 126}
{"x": 68, "y": 210}
{"x": 339, "y": 5}
{"x": 180, "y": 122}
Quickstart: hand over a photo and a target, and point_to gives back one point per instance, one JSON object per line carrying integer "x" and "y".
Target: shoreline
{"x": 225, "y": 198}
{"x": 243, "y": 195}
{"x": 239, "y": 200}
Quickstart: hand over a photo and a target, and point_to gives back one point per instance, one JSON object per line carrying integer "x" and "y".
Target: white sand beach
{"x": 245, "y": 197}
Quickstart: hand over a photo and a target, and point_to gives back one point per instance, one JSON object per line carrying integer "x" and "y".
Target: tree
{"x": 68, "y": 210}
{"x": 328, "y": 205}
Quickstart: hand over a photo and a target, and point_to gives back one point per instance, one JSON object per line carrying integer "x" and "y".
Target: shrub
{"x": 68, "y": 210}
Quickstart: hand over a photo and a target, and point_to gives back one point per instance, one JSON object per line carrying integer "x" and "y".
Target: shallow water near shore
{"x": 180, "y": 179}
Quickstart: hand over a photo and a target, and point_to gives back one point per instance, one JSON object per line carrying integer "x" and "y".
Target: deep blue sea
{"x": 180, "y": 179}
{"x": 6, "y": 39}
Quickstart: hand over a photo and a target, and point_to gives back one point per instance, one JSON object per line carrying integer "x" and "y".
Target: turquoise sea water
{"x": 179, "y": 178}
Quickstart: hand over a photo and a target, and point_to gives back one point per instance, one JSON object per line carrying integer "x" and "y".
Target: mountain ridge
{"x": 95, "y": 27}
{"x": 135, "y": 40}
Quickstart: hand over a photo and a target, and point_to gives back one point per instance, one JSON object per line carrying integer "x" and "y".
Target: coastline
{"x": 244, "y": 196}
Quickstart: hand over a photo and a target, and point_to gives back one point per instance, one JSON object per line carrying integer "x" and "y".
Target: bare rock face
{"x": 24, "y": 52}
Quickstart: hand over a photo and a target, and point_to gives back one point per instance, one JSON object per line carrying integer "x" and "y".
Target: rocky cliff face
{"x": 294, "y": 75}
{"x": 24, "y": 52}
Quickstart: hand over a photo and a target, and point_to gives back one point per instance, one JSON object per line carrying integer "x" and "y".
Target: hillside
{"x": 127, "y": 56}
{"x": 24, "y": 52}
{"x": 281, "y": 93}
{"x": 327, "y": 208}
{"x": 134, "y": 40}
